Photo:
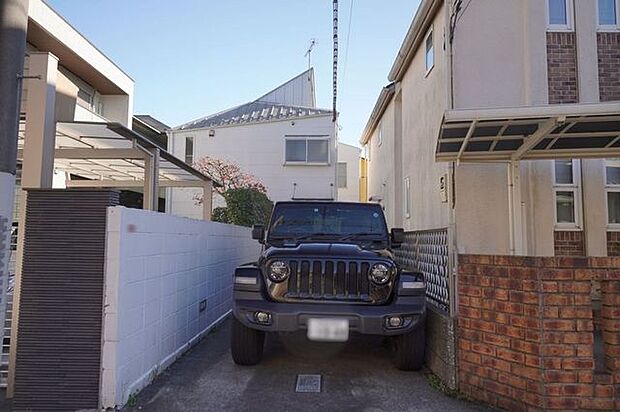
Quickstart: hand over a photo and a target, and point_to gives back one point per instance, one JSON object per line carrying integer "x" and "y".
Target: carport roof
{"x": 525, "y": 133}
{"x": 115, "y": 156}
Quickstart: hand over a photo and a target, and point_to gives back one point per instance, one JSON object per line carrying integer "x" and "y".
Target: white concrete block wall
{"x": 158, "y": 270}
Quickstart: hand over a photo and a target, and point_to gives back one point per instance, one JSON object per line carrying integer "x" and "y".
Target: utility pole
{"x": 335, "y": 68}
{"x": 13, "y": 26}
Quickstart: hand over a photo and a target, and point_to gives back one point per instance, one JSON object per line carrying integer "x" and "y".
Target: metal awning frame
{"x": 552, "y": 123}
{"x": 87, "y": 148}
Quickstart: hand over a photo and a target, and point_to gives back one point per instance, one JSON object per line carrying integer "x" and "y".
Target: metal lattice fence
{"x": 428, "y": 252}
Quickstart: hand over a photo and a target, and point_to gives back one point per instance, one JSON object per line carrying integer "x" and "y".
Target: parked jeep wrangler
{"x": 328, "y": 268}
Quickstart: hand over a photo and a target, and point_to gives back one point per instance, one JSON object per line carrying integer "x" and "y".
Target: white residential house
{"x": 282, "y": 138}
{"x": 348, "y": 172}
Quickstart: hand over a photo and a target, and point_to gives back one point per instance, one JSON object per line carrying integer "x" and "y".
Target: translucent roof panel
{"x": 546, "y": 132}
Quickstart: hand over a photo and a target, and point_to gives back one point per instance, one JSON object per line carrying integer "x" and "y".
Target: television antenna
{"x": 313, "y": 42}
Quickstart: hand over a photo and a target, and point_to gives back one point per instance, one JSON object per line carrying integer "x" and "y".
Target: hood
{"x": 337, "y": 250}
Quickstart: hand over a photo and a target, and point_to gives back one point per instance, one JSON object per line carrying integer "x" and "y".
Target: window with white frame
{"x": 560, "y": 14}
{"x": 612, "y": 187}
{"x": 380, "y": 134}
{"x": 566, "y": 193}
{"x": 189, "y": 150}
{"x": 407, "y": 199}
{"x": 341, "y": 175}
{"x": 608, "y": 14}
{"x": 429, "y": 51}
{"x": 306, "y": 150}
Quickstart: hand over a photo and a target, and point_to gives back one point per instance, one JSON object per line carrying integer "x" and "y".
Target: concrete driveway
{"x": 357, "y": 376}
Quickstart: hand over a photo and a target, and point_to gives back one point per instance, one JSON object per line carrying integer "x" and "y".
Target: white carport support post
{"x": 207, "y": 200}
{"x": 515, "y": 209}
{"x": 150, "y": 198}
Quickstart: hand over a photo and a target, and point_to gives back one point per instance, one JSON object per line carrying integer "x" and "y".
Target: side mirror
{"x": 397, "y": 236}
{"x": 258, "y": 233}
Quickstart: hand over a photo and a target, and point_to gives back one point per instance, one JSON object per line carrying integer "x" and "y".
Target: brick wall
{"x": 613, "y": 243}
{"x": 609, "y": 66}
{"x": 569, "y": 243}
{"x": 562, "y": 67}
{"x": 526, "y": 332}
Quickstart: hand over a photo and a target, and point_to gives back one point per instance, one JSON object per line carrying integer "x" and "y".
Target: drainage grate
{"x": 308, "y": 383}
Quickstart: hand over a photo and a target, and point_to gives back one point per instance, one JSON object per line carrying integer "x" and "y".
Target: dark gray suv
{"x": 328, "y": 268}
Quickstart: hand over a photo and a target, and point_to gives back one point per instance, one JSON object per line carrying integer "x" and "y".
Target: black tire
{"x": 246, "y": 344}
{"x": 408, "y": 349}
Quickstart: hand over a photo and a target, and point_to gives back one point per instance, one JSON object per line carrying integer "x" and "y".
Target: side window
{"x": 189, "y": 150}
{"x": 407, "y": 198}
{"x": 430, "y": 51}
{"x": 306, "y": 150}
{"x": 341, "y": 170}
{"x": 380, "y": 134}
{"x": 608, "y": 14}
{"x": 566, "y": 193}
{"x": 559, "y": 15}
{"x": 612, "y": 189}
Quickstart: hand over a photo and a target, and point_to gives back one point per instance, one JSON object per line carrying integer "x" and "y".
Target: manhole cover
{"x": 308, "y": 383}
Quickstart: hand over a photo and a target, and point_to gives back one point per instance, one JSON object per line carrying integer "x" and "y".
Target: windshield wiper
{"x": 302, "y": 237}
{"x": 354, "y": 235}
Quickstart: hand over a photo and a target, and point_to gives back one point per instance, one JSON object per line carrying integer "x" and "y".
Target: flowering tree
{"x": 229, "y": 175}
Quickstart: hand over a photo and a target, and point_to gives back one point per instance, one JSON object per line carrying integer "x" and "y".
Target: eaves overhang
{"x": 384, "y": 99}
{"x": 413, "y": 38}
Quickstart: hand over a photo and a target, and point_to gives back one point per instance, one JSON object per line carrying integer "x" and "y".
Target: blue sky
{"x": 190, "y": 58}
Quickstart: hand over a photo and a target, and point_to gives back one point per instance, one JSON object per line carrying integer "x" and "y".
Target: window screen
{"x": 564, "y": 172}
{"x": 558, "y": 12}
{"x": 565, "y": 206}
{"x": 607, "y": 12}
{"x": 296, "y": 150}
{"x": 341, "y": 169}
{"x": 430, "y": 51}
{"x": 613, "y": 207}
{"x": 189, "y": 150}
{"x": 613, "y": 173}
{"x": 318, "y": 151}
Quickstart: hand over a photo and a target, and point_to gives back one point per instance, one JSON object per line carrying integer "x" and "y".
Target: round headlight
{"x": 278, "y": 271}
{"x": 380, "y": 273}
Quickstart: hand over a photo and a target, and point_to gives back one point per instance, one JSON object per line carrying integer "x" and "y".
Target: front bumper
{"x": 365, "y": 319}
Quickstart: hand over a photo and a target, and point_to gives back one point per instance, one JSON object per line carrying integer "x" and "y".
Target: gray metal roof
{"x": 152, "y": 122}
{"x": 253, "y": 112}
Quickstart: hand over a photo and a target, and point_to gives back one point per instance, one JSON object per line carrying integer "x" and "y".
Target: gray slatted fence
{"x": 58, "y": 352}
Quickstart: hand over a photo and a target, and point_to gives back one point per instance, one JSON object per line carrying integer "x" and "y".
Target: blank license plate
{"x": 331, "y": 330}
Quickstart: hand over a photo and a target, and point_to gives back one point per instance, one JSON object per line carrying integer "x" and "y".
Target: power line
{"x": 346, "y": 50}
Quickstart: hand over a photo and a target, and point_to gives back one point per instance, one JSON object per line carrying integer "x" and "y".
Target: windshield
{"x": 339, "y": 220}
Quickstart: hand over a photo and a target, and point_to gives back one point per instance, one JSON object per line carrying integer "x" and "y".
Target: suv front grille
{"x": 329, "y": 280}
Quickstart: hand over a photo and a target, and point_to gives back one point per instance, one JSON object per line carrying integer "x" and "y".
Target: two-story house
{"x": 282, "y": 138}
{"x": 501, "y": 122}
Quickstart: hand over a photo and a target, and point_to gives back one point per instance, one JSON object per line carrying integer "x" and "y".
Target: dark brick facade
{"x": 609, "y": 66}
{"x": 526, "y": 332}
{"x": 562, "y": 67}
{"x": 613, "y": 243}
{"x": 569, "y": 243}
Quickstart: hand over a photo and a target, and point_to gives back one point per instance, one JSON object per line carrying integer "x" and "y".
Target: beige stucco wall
{"x": 424, "y": 100}
{"x": 381, "y": 185}
{"x": 502, "y": 63}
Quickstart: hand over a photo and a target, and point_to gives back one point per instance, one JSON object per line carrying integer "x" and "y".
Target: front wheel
{"x": 408, "y": 349}
{"x": 246, "y": 344}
